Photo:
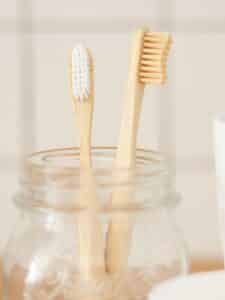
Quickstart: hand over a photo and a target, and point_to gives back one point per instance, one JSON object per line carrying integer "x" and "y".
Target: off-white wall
{"x": 36, "y": 106}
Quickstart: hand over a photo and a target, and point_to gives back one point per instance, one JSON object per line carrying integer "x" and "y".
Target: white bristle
{"x": 80, "y": 73}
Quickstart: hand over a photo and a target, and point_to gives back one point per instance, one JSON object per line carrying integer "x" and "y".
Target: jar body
{"x": 41, "y": 259}
{"x": 67, "y": 216}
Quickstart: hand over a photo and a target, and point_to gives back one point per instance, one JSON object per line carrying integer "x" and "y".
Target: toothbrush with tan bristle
{"x": 88, "y": 224}
{"x": 147, "y": 66}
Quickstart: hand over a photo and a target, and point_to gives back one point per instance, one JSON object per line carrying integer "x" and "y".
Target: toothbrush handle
{"x": 120, "y": 227}
{"x": 89, "y": 231}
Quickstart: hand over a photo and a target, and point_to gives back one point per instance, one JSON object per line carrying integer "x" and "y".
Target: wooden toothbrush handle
{"x": 119, "y": 236}
{"x": 121, "y": 225}
{"x": 89, "y": 231}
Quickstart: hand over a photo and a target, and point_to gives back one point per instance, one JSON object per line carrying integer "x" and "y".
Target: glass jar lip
{"x": 61, "y": 167}
{"x": 55, "y": 174}
{"x": 147, "y": 161}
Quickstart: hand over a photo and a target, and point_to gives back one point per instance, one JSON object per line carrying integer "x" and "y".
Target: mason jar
{"x": 118, "y": 247}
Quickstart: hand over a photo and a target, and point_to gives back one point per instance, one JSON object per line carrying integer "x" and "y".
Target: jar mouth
{"x": 53, "y": 178}
{"x": 147, "y": 161}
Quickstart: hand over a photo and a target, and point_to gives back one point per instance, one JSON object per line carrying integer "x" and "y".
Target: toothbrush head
{"x": 153, "y": 59}
{"x": 81, "y": 73}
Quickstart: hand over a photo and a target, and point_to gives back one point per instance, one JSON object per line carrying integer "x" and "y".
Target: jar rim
{"x": 64, "y": 157}
{"x": 55, "y": 174}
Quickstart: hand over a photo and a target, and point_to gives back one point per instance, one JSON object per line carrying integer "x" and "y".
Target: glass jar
{"x": 57, "y": 231}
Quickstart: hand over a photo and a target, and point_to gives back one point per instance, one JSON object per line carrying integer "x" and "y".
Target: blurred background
{"x": 36, "y": 37}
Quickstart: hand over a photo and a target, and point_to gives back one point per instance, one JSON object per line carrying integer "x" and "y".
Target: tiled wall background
{"x": 36, "y": 37}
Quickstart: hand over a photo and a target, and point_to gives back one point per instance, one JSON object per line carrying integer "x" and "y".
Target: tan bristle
{"x": 146, "y": 60}
{"x": 152, "y": 81}
{"x": 153, "y": 60}
{"x": 154, "y": 75}
{"x": 150, "y": 69}
{"x": 150, "y": 45}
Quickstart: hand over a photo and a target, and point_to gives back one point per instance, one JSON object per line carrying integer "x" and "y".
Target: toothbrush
{"x": 147, "y": 66}
{"x": 89, "y": 231}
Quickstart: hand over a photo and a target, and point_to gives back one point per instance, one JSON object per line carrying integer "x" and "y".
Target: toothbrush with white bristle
{"x": 89, "y": 229}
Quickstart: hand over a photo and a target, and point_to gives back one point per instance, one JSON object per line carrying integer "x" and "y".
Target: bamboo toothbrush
{"x": 147, "y": 66}
{"x": 89, "y": 231}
